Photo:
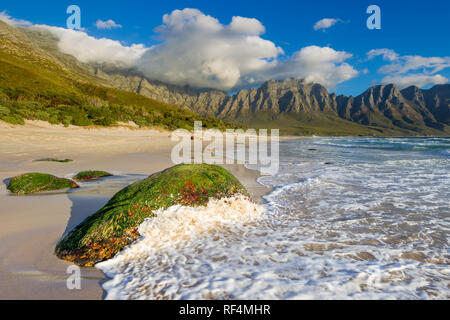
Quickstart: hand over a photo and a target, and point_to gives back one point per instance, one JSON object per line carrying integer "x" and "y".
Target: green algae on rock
{"x": 91, "y": 175}
{"x": 105, "y": 233}
{"x": 39, "y": 182}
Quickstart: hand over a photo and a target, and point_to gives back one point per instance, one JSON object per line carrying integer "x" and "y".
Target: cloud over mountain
{"x": 418, "y": 80}
{"x": 89, "y": 49}
{"x": 409, "y": 70}
{"x": 322, "y": 65}
{"x": 13, "y": 21}
{"x": 196, "y": 49}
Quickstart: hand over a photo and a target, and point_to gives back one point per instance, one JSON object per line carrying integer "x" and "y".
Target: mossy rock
{"x": 105, "y": 233}
{"x": 91, "y": 175}
{"x": 39, "y": 182}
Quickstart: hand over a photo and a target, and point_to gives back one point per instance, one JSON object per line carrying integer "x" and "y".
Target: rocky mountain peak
{"x": 413, "y": 93}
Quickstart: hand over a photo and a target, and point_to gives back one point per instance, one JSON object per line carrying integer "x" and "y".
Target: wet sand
{"x": 30, "y": 226}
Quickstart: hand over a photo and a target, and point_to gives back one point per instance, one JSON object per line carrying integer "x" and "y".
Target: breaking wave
{"x": 163, "y": 237}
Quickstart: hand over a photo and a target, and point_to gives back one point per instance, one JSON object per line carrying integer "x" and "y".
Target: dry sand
{"x": 30, "y": 226}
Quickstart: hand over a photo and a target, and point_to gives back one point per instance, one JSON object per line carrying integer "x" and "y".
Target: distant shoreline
{"x": 35, "y": 124}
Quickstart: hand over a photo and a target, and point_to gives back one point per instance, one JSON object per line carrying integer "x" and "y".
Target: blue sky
{"x": 417, "y": 29}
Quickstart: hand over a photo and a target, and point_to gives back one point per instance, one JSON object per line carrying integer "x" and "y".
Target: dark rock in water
{"x": 115, "y": 226}
{"x": 39, "y": 182}
{"x": 312, "y": 149}
{"x": 328, "y": 163}
{"x": 53, "y": 160}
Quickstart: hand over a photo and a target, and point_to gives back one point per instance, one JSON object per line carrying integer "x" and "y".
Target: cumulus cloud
{"x": 411, "y": 70}
{"x": 198, "y": 50}
{"x": 109, "y": 24}
{"x": 89, "y": 49}
{"x": 326, "y": 23}
{"x": 12, "y": 21}
{"x": 322, "y": 65}
{"x": 247, "y": 26}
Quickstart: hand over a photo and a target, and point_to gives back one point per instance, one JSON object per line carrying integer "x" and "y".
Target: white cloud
{"x": 12, "y": 21}
{"x": 411, "y": 70}
{"x": 326, "y": 23}
{"x": 412, "y": 63}
{"x": 322, "y": 65}
{"x": 247, "y": 26}
{"x": 388, "y": 54}
{"x": 109, "y": 24}
{"x": 89, "y": 49}
{"x": 419, "y": 80}
{"x": 198, "y": 50}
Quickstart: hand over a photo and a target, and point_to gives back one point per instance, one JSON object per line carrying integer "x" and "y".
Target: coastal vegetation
{"x": 92, "y": 106}
{"x": 106, "y": 232}
{"x": 38, "y": 182}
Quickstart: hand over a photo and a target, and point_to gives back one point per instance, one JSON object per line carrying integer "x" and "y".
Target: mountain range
{"x": 300, "y": 107}
{"x": 293, "y": 105}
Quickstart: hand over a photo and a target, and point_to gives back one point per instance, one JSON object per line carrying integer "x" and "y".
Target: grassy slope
{"x": 36, "y": 85}
{"x": 114, "y": 226}
{"x": 317, "y": 125}
{"x": 329, "y": 125}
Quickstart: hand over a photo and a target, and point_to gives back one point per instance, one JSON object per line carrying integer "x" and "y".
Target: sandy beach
{"x": 30, "y": 226}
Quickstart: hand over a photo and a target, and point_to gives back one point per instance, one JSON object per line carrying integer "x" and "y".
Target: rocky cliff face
{"x": 408, "y": 108}
{"x": 289, "y": 96}
{"x": 199, "y": 101}
{"x": 411, "y": 109}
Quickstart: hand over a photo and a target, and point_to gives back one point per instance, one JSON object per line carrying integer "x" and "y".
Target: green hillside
{"x": 36, "y": 85}
{"x": 319, "y": 125}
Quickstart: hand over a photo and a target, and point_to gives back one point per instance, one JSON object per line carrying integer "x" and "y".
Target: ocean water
{"x": 349, "y": 218}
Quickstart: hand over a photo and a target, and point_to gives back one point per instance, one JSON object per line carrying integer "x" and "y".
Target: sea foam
{"x": 161, "y": 237}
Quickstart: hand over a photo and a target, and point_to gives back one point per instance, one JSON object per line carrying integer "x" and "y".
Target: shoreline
{"x": 31, "y": 227}
{"x": 132, "y": 127}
